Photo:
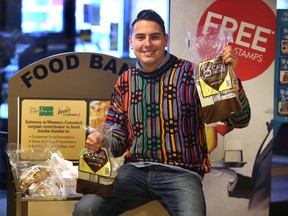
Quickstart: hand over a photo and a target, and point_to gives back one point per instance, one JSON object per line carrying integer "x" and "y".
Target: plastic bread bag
{"x": 97, "y": 170}
{"x": 64, "y": 175}
{"x": 59, "y": 181}
{"x": 216, "y": 83}
{"x": 28, "y": 171}
{"x": 51, "y": 186}
{"x": 22, "y": 157}
{"x": 69, "y": 181}
{"x": 42, "y": 177}
{"x": 33, "y": 175}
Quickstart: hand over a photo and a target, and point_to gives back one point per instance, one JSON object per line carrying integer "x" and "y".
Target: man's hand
{"x": 94, "y": 141}
{"x": 230, "y": 57}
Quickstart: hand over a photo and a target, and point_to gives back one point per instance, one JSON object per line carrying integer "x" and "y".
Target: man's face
{"x": 148, "y": 43}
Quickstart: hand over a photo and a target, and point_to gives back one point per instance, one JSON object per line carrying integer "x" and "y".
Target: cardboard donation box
{"x": 50, "y": 104}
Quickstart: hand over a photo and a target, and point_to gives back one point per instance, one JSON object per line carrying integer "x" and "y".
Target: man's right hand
{"x": 94, "y": 141}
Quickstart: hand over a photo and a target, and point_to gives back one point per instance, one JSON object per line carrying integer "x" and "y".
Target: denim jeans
{"x": 179, "y": 191}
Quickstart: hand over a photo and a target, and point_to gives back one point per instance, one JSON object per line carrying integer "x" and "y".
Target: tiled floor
{"x": 3, "y": 203}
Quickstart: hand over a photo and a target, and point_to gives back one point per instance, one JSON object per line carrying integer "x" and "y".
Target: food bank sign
{"x": 253, "y": 24}
{"x": 71, "y": 62}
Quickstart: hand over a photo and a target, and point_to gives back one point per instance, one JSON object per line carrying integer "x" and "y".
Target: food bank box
{"x": 48, "y": 107}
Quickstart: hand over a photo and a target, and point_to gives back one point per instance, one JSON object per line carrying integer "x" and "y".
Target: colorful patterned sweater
{"x": 159, "y": 117}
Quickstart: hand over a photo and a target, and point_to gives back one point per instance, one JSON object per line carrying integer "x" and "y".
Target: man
{"x": 158, "y": 112}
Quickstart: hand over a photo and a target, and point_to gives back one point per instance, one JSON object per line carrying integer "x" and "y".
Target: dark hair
{"x": 149, "y": 15}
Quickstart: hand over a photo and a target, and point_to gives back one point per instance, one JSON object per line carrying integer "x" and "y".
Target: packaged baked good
{"x": 53, "y": 177}
{"x": 217, "y": 88}
{"x": 33, "y": 175}
{"x": 46, "y": 188}
{"x": 216, "y": 83}
{"x": 97, "y": 170}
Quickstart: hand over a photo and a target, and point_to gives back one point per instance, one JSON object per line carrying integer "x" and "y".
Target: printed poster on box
{"x": 47, "y": 125}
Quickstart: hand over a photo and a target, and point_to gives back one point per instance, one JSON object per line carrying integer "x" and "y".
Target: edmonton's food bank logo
{"x": 42, "y": 110}
{"x": 253, "y": 24}
{"x": 46, "y": 110}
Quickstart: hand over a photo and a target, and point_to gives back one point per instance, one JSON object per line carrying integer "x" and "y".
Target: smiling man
{"x": 148, "y": 42}
{"x": 158, "y": 113}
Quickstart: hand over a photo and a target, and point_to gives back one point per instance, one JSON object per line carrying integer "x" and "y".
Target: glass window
{"x": 98, "y": 24}
{"x": 42, "y": 16}
{"x": 103, "y": 25}
{"x": 282, "y": 4}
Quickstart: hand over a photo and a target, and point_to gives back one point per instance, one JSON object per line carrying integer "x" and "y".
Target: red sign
{"x": 253, "y": 24}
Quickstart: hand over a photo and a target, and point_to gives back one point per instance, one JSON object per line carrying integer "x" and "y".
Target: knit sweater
{"x": 159, "y": 117}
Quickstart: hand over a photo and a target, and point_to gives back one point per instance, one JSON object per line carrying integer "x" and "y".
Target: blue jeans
{"x": 179, "y": 191}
